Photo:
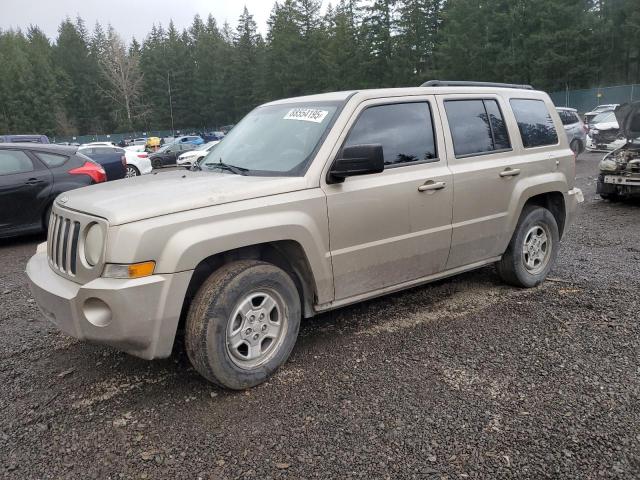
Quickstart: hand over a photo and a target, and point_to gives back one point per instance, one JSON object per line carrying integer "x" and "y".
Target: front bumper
{"x": 137, "y": 316}
{"x": 612, "y": 183}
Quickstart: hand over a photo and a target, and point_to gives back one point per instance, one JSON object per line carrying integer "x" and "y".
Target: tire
{"x": 45, "y": 219}
{"x": 612, "y": 197}
{"x": 132, "y": 171}
{"x": 215, "y": 322}
{"x": 156, "y": 163}
{"x": 532, "y": 250}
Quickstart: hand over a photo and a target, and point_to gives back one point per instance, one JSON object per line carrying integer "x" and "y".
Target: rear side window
{"x": 405, "y": 131}
{"x": 535, "y": 123}
{"x": 477, "y": 127}
{"x": 567, "y": 117}
{"x": 14, "y": 161}
{"x": 51, "y": 160}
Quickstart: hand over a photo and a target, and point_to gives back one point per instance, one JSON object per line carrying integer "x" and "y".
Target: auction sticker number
{"x": 306, "y": 115}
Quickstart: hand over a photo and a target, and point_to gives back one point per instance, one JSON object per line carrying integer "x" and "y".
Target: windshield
{"x": 275, "y": 140}
{"x": 204, "y": 146}
{"x": 604, "y": 118}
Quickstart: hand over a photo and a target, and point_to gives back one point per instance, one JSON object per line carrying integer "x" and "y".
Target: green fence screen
{"x": 586, "y": 100}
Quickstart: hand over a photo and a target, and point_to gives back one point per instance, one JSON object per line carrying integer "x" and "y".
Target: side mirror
{"x": 357, "y": 160}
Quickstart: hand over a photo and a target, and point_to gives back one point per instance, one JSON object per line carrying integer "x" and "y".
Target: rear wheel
{"x": 156, "y": 163}
{"x": 533, "y": 249}
{"x": 243, "y": 323}
{"x": 132, "y": 171}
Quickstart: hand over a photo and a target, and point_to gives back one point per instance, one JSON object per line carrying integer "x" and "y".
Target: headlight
{"x": 132, "y": 270}
{"x": 93, "y": 244}
{"x": 608, "y": 165}
{"x": 594, "y": 132}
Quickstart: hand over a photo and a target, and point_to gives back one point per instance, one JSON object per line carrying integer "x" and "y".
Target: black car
{"x": 113, "y": 159}
{"x": 168, "y": 154}
{"x": 31, "y": 176}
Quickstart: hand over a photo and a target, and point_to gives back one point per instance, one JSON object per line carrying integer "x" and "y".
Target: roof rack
{"x": 458, "y": 83}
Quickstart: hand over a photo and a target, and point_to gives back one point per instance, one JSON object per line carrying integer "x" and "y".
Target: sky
{"x": 130, "y": 18}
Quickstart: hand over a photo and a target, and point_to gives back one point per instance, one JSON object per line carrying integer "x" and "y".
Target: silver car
{"x": 575, "y": 129}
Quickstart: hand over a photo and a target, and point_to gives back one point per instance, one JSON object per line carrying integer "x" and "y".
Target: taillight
{"x": 143, "y": 155}
{"x": 93, "y": 170}
{"x": 123, "y": 159}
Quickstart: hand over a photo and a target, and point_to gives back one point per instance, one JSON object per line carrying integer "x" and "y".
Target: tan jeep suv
{"x": 307, "y": 205}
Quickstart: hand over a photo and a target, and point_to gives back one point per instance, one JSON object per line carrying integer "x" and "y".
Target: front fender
{"x": 179, "y": 242}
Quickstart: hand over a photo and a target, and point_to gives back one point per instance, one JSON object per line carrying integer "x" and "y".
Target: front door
{"x": 24, "y": 188}
{"x": 395, "y": 226}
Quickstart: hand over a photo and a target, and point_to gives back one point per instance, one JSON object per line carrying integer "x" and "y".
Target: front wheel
{"x": 533, "y": 249}
{"x": 242, "y": 324}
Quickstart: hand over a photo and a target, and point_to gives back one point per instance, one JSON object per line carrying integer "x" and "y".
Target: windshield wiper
{"x": 225, "y": 166}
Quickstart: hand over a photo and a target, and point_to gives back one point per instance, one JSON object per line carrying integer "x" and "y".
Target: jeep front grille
{"x": 63, "y": 243}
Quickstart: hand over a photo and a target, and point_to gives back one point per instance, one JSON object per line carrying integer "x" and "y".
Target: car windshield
{"x": 604, "y": 118}
{"x": 276, "y": 140}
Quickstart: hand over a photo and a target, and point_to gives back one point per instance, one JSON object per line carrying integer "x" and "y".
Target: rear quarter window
{"x": 52, "y": 160}
{"x": 534, "y": 122}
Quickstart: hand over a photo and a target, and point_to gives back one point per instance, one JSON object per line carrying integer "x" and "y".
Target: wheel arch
{"x": 289, "y": 255}
{"x": 555, "y": 203}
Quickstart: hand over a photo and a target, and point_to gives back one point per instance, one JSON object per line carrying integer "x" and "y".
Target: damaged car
{"x": 605, "y": 133}
{"x": 619, "y": 176}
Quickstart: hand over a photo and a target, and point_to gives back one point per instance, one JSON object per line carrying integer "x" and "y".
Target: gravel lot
{"x": 465, "y": 378}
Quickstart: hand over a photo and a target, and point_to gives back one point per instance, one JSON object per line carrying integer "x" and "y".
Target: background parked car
{"x": 24, "y": 139}
{"x": 212, "y": 136}
{"x": 589, "y": 116}
{"x": 113, "y": 159}
{"x": 169, "y": 154}
{"x": 187, "y": 159}
{"x": 192, "y": 139}
{"x": 604, "y": 133}
{"x": 575, "y": 129}
{"x": 138, "y": 162}
{"x": 31, "y": 176}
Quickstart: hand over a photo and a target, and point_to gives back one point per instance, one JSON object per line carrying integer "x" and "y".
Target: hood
{"x": 604, "y": 126}
{"x": 147, "y": 196}
{"x": 628, "y": 116}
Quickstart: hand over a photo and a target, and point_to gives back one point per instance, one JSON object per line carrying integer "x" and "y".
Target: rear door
{"x": 24, "y": 190}
{"x": 488, "y": 159}
{"x": 393, "y": 227}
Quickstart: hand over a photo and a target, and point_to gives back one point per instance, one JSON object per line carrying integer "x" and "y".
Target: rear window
{"x": 51, "y": 160}
{"x": 534, "y": 122}
{"x": 477, "y": 127}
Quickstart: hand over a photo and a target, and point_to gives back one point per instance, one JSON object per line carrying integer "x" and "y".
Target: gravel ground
{"x": 465, "y": 378}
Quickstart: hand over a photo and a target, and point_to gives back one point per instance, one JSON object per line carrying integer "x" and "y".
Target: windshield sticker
{"x": 306, "y": 114}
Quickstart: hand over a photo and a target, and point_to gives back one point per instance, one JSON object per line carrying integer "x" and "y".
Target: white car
{"x": 138, "y": 162}
{"x": 604, "y": 133}
{"x": 187, "y": 158}
{"x": 99, "y": 144}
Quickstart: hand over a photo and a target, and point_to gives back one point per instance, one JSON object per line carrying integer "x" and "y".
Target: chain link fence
{"x": 587, "y": 99}
{"x": 116, "y": 137}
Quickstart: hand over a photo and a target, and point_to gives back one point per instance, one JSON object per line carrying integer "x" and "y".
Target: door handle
{"x": 34, "y": 181}
{"x": 510, "y": 172}
{"x": 431, "y": 186}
